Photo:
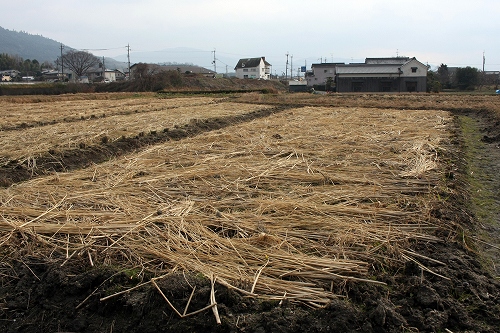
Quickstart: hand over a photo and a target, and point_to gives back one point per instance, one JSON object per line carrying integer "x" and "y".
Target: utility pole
{"x": 214, "y": 62}
{"x": 103, "y": 69}
{"x": 291, "y": 67}
{"x": 484, "y": 61}
{"x": 128, "y": 58}
{"x": 286, "y": 69}
{"x": 62, "y": 63}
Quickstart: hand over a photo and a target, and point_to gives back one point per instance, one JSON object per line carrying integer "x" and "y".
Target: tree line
{"x": 458, "y": 78}
{"x": 26, "y": 67}
{"x": 78, "y": 62}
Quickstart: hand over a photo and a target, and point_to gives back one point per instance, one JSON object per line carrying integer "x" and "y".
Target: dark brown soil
{"x": 39, "y": 295}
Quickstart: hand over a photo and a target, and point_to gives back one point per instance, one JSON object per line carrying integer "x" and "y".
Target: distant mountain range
{"x": 29, "y": 46}
{"x": 183, "y": 55}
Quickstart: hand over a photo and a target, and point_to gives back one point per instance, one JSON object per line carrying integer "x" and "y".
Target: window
{"x": 245, "y": 69}
{"x": 414, "y": 69}
{"x": 245, "y": 76}
{"x": 324, "y": 71}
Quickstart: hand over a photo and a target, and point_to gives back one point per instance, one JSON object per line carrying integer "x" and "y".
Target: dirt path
{"x": 481, "y": 149}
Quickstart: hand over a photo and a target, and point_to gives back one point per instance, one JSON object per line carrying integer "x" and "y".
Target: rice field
{"x": 447, "y": 102}
{"x": 115, "y": 120}
{"x": 283, "y": 207}
{"x": 33, "y": 111}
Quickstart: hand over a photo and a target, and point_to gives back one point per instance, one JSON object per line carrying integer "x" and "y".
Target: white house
{"x": 253, "y": 68}
{"x": 96, "y": 75}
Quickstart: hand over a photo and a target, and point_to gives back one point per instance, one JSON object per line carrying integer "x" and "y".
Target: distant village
{"x": 392, "y": 74}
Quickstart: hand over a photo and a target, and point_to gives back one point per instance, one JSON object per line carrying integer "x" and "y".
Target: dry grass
{"x": 32, "y": 111}
{"x": 29, "y": 144}
{"x": 445, "y": 102}
{"x": 74, "y": 97}
{"x": 290, "y": 206}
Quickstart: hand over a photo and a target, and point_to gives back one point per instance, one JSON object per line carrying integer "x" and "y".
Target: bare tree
{"x": 78, "y": 61}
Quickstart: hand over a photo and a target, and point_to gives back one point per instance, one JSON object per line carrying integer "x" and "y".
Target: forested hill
{"x": 29, "y": 46}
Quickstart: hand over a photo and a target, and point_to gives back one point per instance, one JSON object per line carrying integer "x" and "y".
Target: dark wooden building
{"x": 399, "y": 74}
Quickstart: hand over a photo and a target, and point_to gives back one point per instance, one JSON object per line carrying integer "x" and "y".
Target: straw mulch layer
{"x": 447, "y": 102}
{"x": 23, "y": 112}
{"x": 31, "y": 143}
{"x": 287, "y": 207}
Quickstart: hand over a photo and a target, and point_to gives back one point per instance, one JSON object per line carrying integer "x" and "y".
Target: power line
{"x": 108, "y": 49}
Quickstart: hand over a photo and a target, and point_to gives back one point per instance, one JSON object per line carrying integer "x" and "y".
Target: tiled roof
{"x": 327, "y": 64}
{"x": 387, "y": 61}
{"x": 250, "y": 62}
{"x": 368, "y": 69}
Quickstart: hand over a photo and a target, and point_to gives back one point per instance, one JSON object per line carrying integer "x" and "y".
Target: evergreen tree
{"x": 467, "y": 78}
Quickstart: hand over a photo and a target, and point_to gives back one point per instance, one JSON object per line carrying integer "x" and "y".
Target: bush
{"x": 147, "y": 82}
{"x": 433, "y": 84}
{"x": 467, "y": 78}
{"x": 45, "y": 89}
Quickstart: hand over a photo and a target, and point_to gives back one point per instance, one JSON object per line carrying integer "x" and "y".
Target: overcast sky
{"x": 454, "y": 32}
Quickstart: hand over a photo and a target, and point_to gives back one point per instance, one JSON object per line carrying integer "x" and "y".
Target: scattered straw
{"x": 288, "y": 206}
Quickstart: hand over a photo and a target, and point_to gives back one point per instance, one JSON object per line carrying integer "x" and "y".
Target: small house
{"x": 119, "y": 75}
{"x": 10, "y": 74}
{"x": 322, "y": 74}
{"x": 253, "y": 68}
{"x": 98, "y": 75}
